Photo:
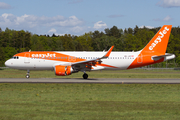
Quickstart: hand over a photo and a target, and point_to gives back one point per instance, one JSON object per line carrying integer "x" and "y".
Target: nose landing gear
{"x": 27, "y": 75}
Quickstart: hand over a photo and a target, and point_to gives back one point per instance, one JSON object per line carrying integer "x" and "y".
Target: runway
{"x": 93, "y": 80}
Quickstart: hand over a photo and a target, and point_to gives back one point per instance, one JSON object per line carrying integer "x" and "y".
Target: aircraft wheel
{"x": 85, "y": 76}
{"x": 27, "y": 76}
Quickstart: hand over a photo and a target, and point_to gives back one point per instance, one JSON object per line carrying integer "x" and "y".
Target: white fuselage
{"x": 116, "y": 60}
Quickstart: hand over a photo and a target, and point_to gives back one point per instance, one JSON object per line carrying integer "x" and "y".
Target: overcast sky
{"x": 77, "y": 17}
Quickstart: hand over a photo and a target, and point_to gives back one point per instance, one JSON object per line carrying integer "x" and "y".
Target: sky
{"x": 77, "y": 17}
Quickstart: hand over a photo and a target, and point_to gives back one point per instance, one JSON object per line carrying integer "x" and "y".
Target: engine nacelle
{"x": 61, "y": 70}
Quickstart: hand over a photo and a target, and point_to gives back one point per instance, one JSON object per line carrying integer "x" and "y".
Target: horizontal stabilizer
{"x": 167, "y": 56}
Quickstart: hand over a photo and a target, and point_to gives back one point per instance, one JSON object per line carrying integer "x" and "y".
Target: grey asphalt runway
{"x": 93, "y": 80}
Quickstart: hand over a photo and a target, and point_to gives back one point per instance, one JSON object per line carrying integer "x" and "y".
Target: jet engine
{"x": 61, "y": 70}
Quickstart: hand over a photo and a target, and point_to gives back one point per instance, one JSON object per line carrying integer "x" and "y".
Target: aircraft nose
{"x": 7, "y": 63}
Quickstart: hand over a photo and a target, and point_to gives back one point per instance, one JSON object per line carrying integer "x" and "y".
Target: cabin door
{"x": 27, "y": 58}
{"x": 140, "y": 59}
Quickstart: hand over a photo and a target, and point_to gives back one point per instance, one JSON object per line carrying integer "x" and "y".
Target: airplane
{"x": 67, "y": 62}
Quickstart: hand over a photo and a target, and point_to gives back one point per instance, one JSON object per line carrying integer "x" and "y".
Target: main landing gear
{"x": 27, "y": 75}
{"x": 85, "y": 76}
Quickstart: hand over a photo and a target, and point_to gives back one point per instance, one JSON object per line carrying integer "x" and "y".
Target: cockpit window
{"x": 15, "y": 57}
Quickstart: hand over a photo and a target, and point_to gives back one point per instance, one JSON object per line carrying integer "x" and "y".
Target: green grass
{"x": 25, "y": 101}
{"x": 133, "y": 73}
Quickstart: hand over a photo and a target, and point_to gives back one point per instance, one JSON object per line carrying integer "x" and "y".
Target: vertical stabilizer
{"x": 158, "y": 43}
{"x": 156, "y": 47}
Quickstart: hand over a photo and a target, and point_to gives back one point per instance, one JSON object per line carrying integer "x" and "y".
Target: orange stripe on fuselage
{"x": 50, "y": 55}
{"x": 105, "y": 65}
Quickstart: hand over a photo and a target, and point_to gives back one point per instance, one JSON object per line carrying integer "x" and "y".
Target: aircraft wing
{"x": 93, "y": 61}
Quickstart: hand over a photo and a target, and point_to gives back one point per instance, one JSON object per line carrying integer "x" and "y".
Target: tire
{"x": 85, "y": 76}
{"x": 27, "y": 76}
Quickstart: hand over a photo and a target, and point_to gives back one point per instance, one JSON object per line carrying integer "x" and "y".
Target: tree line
{"x": 130, "y": 39}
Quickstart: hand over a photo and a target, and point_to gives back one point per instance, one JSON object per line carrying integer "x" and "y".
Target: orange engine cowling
{"x": 61, "y": 70}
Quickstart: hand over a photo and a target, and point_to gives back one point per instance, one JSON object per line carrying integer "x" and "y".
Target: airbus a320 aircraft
{"x": 66, "y": 63}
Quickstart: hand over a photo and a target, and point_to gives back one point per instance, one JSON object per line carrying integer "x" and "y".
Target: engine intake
{"x": 61, "y": 70}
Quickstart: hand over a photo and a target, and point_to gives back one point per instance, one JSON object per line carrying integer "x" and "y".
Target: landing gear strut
{"x": 27, "y": 75}
{"x": 85, "y": 76}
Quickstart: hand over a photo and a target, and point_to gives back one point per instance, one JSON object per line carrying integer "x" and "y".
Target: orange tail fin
{"x": 158, "y": 43}
{"x": 156, "y": 47}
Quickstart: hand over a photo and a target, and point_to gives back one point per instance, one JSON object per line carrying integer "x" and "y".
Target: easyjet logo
{"x": 159, "y": 38}
{"x": 44, "y": 55}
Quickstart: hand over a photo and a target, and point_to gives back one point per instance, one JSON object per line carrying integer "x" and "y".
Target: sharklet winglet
{"x": 108, "y": 53}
